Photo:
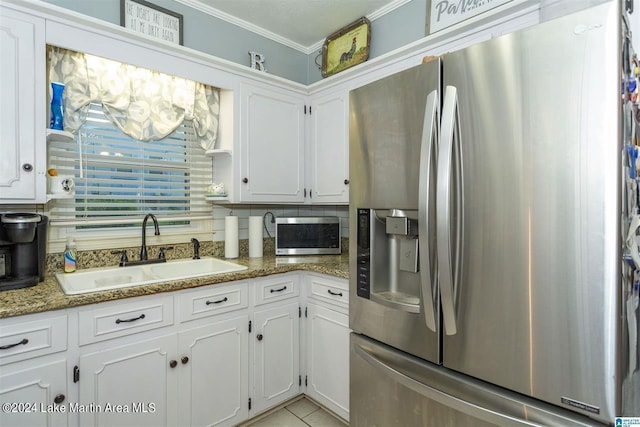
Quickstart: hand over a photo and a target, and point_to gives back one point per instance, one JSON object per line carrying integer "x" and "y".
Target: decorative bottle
{"x": 70, "y": 256}
{"x": 57, "y": 107}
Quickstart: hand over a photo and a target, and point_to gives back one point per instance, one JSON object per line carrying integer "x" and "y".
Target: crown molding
{"x": 197, "y": 5}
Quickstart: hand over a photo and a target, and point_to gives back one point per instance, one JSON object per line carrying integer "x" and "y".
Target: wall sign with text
{"x": 154, "y": 21}
{"x": 444, "y": 13}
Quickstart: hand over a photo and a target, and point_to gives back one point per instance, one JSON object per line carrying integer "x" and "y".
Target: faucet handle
{"x": 162, "y": 255}
{"x": 123, "y": 257}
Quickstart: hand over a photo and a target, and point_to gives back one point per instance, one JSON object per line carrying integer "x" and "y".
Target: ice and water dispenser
{"x": 387, "y": 253}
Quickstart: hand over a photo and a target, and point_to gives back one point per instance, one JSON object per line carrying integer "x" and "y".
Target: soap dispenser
{"x": 70, "y": 256}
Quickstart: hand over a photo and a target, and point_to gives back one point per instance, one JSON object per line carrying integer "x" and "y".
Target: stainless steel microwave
{"x": 308, "y": 235}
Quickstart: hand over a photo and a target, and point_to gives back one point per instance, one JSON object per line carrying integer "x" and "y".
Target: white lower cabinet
{"x": 33, "y": 370}
{"x": 276, "y": 360}
{"x": 327, "y": 342}
{"x": 197, "y": 377}
{"x": 133, "y": 384}
{"x": 195, "y": 373}
{"x": 210, "y": 356}
{"x": 213, "y": 381}
{"x": 275, "y": 341}
{"x": 328, "y": 358}
{"x": 33, "y": 396}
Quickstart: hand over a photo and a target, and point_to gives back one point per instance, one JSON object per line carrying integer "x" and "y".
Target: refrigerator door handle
{"x": 428, "y": 156}
{"x": 443, "y": 398}
{"x": 449, "y": 166}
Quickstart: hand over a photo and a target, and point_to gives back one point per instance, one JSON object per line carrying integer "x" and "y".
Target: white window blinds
{"x": 120, "y": 179}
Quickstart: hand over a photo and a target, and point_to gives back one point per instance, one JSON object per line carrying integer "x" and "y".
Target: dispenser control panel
{"x": 364, "y": 253}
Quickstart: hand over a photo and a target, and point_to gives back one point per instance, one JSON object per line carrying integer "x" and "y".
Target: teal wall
{"x": 219, "y": 38}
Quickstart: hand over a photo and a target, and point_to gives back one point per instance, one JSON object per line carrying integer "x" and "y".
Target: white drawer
{"x": 116, "y": 319}
{"x": 213, "y": 300}
{"x": 21, "y": 338}
{"x": 276, "y": 288}
{"x": 335, "y": 291}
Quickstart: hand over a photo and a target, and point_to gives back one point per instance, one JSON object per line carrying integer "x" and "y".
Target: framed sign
{"x": 444, "y": 13}
{"x": 155, "y": 21}
{"x": 346, "y": 47}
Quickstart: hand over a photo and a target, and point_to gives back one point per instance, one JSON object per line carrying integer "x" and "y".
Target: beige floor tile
{"x": 301, "y": 408}
{"x": 281, "y": 418}
{"x": 322, "y": 418}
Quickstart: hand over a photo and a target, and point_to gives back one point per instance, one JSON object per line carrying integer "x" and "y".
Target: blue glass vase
{"x": 57, "y": 107}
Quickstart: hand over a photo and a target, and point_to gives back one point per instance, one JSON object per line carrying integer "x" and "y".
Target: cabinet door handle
{"x": 225, "y": 299}
{"x": 278, "y": 290}
{"x": 59, "y": 398}
{"x": 184, "y": 360}
{"x": 118, "y": 321}
{"x": 346, "y": 182}
{"x": 8, "y": 346}
{"x": 245, "y": 180}
{"x": 259, "y": 337}
{"x": 27, "y": 167}
{"x": 173, "y": 363}
{"x": 338, "y": 294}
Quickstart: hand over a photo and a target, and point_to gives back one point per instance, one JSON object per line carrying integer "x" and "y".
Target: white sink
{"x": 184, "y": 269}
{"x": 102, "y": 279}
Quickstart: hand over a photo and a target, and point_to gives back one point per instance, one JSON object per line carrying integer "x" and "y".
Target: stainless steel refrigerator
{"x": 487, "y": 213}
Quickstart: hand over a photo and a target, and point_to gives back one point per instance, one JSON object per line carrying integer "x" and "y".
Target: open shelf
{"x": 217, "y": 151}
{"x": 51, "y": 196}
{"x": 59, "y": 135}
{"x": 223, "y": 199}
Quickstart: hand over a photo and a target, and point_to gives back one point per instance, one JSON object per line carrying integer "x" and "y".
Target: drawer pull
{"x": 8, "y": 346}
{"x": 118, "y": 321}
{"x": 225, "y": 299}
{"x": 338, "y": 294}
{"x": 278, "y": 290}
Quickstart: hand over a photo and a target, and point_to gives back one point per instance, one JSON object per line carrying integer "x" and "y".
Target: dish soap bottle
{"x": 70, "y": 256}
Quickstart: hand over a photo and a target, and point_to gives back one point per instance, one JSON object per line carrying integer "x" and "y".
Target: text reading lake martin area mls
{"x": 71, "y": 407}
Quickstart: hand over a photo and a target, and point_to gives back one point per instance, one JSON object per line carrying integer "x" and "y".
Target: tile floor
{"x": 299, "y": 413}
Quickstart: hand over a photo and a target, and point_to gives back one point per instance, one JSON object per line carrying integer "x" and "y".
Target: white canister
{"x": 231, "y": 237}
{"x": 255, "y": 237}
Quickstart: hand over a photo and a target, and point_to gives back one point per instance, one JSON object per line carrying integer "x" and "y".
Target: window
{"x": 119, "y": 179}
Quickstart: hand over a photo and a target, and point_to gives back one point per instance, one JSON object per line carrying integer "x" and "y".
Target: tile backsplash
{"x": 95, "y": 258}
{"x": 243, "y": 212}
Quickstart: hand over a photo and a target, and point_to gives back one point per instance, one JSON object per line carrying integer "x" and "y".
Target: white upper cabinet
{"x": 328, "y": 157}
{"x": 271, "y": 145}
{"x": 22, "y": 108}
{"x": 292, "y": 152}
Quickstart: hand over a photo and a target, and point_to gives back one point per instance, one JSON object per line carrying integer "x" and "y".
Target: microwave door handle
{"x": 443, "y": 207}
{"x": 428, "y": 150}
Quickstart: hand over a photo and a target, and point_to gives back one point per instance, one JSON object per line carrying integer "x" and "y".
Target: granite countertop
{"x": 48, "y": 295}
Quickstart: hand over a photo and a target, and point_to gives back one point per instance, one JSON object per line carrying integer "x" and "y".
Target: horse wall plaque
{"x": 346, "y": 47}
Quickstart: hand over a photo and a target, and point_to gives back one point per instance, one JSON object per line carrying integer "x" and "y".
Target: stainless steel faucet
{"x": 196, "y": 248}
{"x": 143, "y": 249}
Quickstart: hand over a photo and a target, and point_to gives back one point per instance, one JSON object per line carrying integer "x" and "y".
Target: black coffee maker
{"x": 23, "y": 249}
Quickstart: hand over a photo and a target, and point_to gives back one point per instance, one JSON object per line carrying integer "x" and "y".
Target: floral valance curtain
{"x": 144, "y": 104}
